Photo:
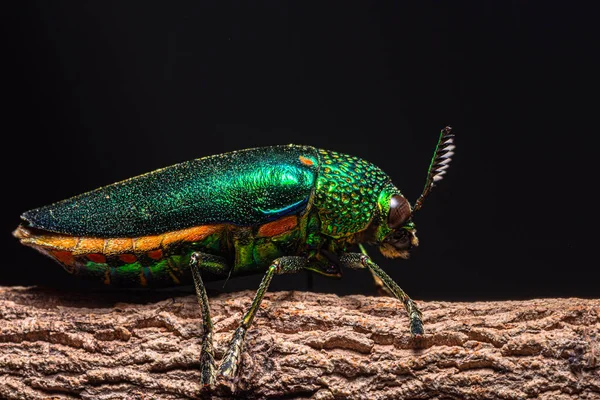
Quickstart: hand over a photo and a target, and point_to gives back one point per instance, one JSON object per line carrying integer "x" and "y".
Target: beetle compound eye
{"x": 399, "y": 212}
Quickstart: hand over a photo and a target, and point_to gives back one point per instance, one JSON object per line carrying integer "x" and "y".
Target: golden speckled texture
{"x": 347, "y": 192}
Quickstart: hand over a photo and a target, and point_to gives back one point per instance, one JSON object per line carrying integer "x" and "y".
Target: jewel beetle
{"x": 271, "y": 210}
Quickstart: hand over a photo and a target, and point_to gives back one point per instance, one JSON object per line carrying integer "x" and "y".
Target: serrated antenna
{"x": 439, "y": 163}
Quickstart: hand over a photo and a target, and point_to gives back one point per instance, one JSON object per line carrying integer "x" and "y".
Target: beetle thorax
{"x": 346, "y": 193}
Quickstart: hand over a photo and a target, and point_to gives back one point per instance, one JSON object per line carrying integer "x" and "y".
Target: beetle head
{"x": 395, "y": 233}
{"x": 394, "y": 230}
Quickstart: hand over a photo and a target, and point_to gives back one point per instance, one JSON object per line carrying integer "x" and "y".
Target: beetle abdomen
{"x": 162, "y": 260}
{"x": 244, "y": 188}
{"x": 154, "y": 260}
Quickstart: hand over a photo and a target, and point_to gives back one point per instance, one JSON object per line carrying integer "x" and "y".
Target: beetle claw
{"x": 225, "y": 384}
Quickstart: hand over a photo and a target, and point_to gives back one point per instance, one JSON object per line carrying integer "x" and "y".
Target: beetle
{"x": 275, "y": 210}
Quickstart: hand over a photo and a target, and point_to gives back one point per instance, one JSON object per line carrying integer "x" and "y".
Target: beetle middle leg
{"x": 360, "y": 260}
{"x": 231, "y": 360}
{"x": 207, "y": 360}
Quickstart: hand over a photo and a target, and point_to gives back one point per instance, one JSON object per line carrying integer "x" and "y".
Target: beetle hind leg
{"x": 231, "y": 360}
{"x": 207, "y": 360}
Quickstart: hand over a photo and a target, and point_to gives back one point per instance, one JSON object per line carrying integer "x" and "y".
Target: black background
{"x": 96, "y": 92}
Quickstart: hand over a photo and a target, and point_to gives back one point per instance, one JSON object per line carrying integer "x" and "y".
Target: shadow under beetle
{"x": 279, "y": 209}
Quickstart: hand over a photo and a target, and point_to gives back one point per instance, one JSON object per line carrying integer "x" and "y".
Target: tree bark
{"x": 146, "y": 345}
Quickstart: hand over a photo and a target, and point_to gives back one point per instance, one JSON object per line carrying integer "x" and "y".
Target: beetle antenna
{"x": 439, "y": 163}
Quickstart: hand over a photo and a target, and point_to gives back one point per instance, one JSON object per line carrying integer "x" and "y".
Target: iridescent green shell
{"x": 247, "y": 187}
{"x": 346, "y": 193}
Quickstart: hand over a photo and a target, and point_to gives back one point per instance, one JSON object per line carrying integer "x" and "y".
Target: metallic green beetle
{"x": 279, "y": 209}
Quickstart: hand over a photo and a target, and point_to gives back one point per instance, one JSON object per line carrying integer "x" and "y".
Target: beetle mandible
{"x": 275, "y": 210}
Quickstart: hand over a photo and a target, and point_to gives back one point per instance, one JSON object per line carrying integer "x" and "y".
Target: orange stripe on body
{"x": 59, "y": 242}
{"x": 277, "y": 227}
{"x": 99, "y": 248}
{"x": 65, "y": 257}
{"x": 146, "y": 243}
{"x": 128, "y": 258}
{"x": 306, "y": 161}
{"x": 88, "y": 245}
{"x": 97, "y": 258}
{"x": 155, "y": 254}
{"x": 194, "y": 234}
{"x": 118, "y": 246}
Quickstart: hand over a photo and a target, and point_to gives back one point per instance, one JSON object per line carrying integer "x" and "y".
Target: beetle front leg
{"x": 207, "y": 360}
{"x": 231, "y": 360}
{"x": 359, "y": 261}
{"x": 382, "y": 290}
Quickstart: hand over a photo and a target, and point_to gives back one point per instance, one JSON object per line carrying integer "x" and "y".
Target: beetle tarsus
{"x": 229, "y": 365}
{"x": 362, "y": 260}
{"x": 416, "y": 326}
{"x": 416, "y": 318}
{"x": 207, "y": 361}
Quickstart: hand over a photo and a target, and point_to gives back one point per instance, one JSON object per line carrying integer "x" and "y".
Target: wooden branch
{"x": 141, "y": 345}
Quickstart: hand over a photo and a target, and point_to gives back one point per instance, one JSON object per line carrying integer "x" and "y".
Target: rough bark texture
{"x": 144, "y": 345}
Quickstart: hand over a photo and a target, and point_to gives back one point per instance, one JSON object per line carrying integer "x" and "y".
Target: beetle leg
{"x": 207, "y": 360}
{"x": 382, "y": 290}
{"x": 231, "y": 360}
{"x": 359, "y": 260}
